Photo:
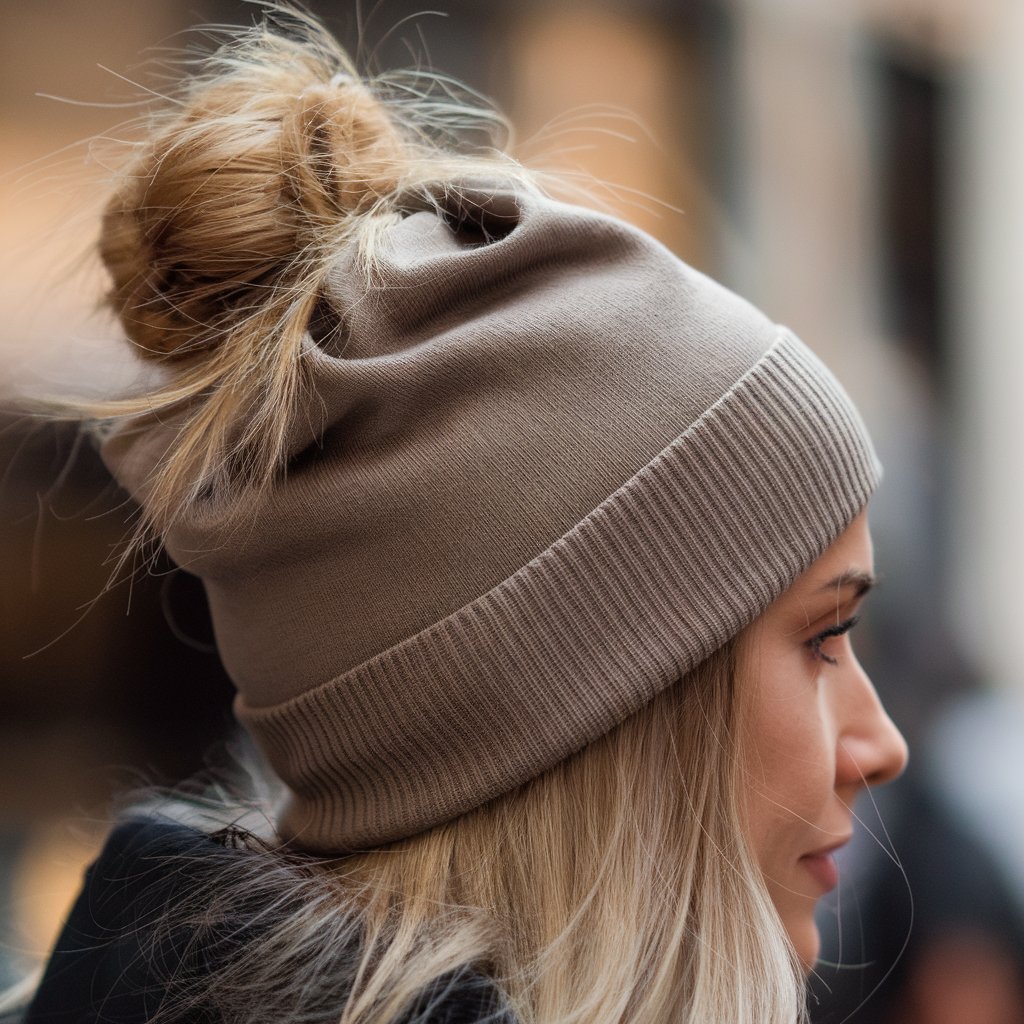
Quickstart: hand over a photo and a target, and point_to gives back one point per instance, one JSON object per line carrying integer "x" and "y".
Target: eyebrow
{"x": 863, "y": 581}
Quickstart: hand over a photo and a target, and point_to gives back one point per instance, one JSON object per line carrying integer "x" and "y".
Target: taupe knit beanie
{"x": 544, "y": 469}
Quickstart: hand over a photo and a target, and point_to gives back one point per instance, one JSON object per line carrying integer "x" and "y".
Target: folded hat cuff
{"x": 679, "y": 559}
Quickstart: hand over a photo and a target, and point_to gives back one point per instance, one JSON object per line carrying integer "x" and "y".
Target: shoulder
{"x": 144, "y": 864}
{"x": 137, "y": 847}
{"x": 465, "y": 997}
{"x": 107, "y": 959}
{"x": 117, "y": 960}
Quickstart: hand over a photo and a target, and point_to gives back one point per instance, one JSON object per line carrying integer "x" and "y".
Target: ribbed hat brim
{"x": 679, "y": 559}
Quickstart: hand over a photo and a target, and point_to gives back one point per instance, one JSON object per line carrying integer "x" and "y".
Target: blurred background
{"x": 855, "y": 167}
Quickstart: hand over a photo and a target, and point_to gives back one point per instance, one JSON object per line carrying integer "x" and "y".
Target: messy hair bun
{"x": 273, "y": 153}
{"x": 238, "y": 193}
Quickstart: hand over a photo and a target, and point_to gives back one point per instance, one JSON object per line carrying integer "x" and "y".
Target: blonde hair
{"x": 618, "y": 881}
{"x": 617, "y": 886}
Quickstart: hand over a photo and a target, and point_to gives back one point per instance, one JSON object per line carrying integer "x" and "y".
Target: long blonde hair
{"x": 618, "y": 884}
{"x": 616, "y": 887}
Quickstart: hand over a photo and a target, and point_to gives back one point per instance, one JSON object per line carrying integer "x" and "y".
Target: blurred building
{"x": 853, "y": 167}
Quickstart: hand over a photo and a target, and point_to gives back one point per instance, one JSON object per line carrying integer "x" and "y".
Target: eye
{"x": 817, "y": 642}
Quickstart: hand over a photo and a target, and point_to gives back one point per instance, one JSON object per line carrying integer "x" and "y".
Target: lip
{"x": 821, "y": 865}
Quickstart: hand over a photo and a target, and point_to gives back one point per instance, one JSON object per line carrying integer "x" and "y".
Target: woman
{"x": 532, "y": 553}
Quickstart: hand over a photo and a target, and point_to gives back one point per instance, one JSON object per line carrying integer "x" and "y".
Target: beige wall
{"x": 988, "y": 264}
{"x": 49, "y": 170}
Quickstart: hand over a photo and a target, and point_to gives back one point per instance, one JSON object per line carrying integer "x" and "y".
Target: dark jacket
{"x": 108, "y": 966}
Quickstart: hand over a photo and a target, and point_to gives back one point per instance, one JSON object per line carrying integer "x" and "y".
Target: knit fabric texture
{"x": 541, "y": 469}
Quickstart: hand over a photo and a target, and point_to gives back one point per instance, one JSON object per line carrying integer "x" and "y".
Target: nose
{"x": 870, "y": 749}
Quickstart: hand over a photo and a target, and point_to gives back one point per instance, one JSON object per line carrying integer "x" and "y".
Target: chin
{"x": 806, "y": 939}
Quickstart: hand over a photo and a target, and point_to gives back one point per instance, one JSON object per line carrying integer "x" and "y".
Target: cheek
{"x": 790, "y": 770}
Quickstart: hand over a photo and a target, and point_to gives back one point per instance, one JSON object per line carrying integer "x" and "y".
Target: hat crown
{"x": 508, "y": 372}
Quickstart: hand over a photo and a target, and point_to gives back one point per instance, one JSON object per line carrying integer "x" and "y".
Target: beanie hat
{"x": 543, "y": 469}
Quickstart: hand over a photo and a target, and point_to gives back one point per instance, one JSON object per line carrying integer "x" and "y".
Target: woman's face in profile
{"x": 815, "y": 732}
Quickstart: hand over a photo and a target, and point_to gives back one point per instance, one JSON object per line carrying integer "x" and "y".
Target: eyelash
{"x": 816, "y": 642}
